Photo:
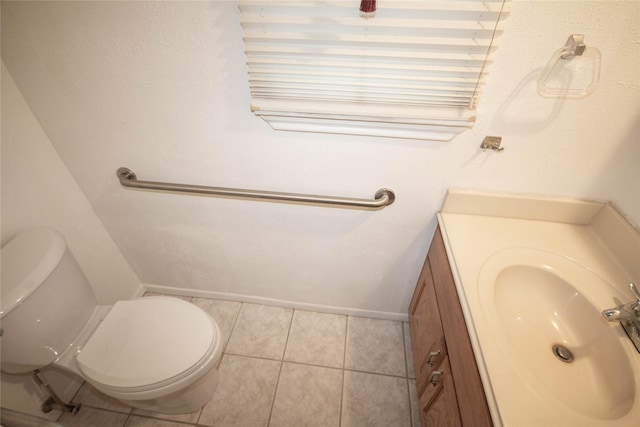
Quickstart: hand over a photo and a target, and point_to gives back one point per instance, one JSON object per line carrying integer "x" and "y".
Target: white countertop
{"x": 476, "y": 227}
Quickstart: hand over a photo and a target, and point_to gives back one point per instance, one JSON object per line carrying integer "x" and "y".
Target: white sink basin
{"x": 546, "y": 325}
{"x": 530, "y": 278}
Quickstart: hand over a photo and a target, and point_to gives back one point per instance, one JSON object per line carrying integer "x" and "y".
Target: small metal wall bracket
{"x": 574, "y": 47}
{"x": 492, "y": 143}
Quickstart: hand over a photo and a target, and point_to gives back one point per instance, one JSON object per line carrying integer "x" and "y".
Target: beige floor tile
{"x": 313, "y": 391}
{"x": 371, "y": 400}
{"x": 307, "y": 396}
{"x": 375, "y": 345}
{"x": 408, "y": 349}
{"x": 223, "y": 312}
{"x": 185, "y": 418}
{"x": 244, "y": 394}
{"x": 260, "y": 331}
{"x": 317, "y": 339}
{"x": 89, "y": 396}
{"x": 87, "y": 416}
{"x": 151, "y": 422}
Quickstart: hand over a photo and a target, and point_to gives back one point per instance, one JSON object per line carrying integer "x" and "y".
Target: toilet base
{"x": 189, "y": 399}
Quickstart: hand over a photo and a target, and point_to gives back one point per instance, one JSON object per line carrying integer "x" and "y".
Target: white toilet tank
{"x": 46, "y": 300}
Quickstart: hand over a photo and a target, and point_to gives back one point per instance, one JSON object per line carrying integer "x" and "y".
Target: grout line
{"x": 97, "y": 406}
{"x": 406, "y": 366}
{"x": 341, "y": 400}
{"x": 377, "y": 373}
{"x": 275, "y": 392}
{"x": 202, "y": 409}
{"x": 224, "y": 350}
{"x": 410, "y": 405}
{"x": 186, "y": 423}
{"x": 344, "y": 366}
{"x": 406, "y": 355}
{"x": 346, "y": 341}
{"x": 311, "y": 365}
{"x": 233, "y": 326}
{"x": 253, "y": 357}
{"x": 403, "y": 377}
{"x": 286, "y": 341}
{"x": 162, "y": 417}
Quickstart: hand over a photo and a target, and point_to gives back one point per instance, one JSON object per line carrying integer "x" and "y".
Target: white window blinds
{"x": 414, "y": 70}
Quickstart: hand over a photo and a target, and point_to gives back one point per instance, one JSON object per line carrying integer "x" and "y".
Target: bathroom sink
{"x": 541, "y": 309}
{"x": 533, "y": 275}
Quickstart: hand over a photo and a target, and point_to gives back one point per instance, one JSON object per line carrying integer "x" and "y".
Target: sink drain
{"x": 562, "y": 353}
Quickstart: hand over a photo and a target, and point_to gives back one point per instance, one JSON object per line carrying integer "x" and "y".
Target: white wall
{"x": 38, "y": 190}
{"x": 161, "y": 88}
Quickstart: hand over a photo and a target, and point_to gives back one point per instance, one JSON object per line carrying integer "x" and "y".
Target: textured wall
{"x": 161, "y": 87}
{"x": 37, "y": 190}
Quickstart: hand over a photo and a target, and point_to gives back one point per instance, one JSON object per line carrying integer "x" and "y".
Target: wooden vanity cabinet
{"x": 449, "y": 387}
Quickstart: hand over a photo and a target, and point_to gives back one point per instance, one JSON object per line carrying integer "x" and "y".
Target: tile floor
{"x": 284, "y": 367}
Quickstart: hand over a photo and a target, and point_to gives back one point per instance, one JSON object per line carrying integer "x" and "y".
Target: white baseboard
{"x": 140, "y": 291}
{"x": 402, "y": 317}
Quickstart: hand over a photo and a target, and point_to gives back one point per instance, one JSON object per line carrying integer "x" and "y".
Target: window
{"x": 414, "y": 70}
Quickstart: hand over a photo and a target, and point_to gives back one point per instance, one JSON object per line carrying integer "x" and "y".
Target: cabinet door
{"x": 427, "y": 337}
{"x": 474, "y": 409}
{"x": 438, "y": 404}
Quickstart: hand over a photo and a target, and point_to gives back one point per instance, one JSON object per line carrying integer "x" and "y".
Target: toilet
{"x": 155, "y": 353}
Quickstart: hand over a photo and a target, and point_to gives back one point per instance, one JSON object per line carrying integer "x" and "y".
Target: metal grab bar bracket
{"x": 383, "y": 197}
{"x": 126, "y": 173}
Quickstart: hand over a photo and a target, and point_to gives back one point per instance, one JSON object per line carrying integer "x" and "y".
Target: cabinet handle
{"x": 434, "y": 377}
{"x": 433, "y": 357}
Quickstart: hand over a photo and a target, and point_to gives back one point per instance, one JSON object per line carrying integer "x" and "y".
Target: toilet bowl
{"x": 154, "y": 353}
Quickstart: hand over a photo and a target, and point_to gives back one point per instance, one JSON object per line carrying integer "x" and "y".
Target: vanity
{"x": 506, "y": 320}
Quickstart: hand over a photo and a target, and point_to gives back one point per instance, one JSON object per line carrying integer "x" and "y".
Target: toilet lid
{"x": 147, "y": 341}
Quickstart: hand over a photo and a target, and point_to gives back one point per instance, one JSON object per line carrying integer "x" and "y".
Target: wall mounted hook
{"x": 492, "y": 143}
{"x": 574, "y": 47}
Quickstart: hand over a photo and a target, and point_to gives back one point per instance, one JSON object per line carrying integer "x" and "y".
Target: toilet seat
{"x": 148, "y": 344}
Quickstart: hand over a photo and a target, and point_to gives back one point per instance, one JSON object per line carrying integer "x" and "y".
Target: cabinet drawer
{"x": 429, "y": 363}
{"x": 438, "y": 403}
